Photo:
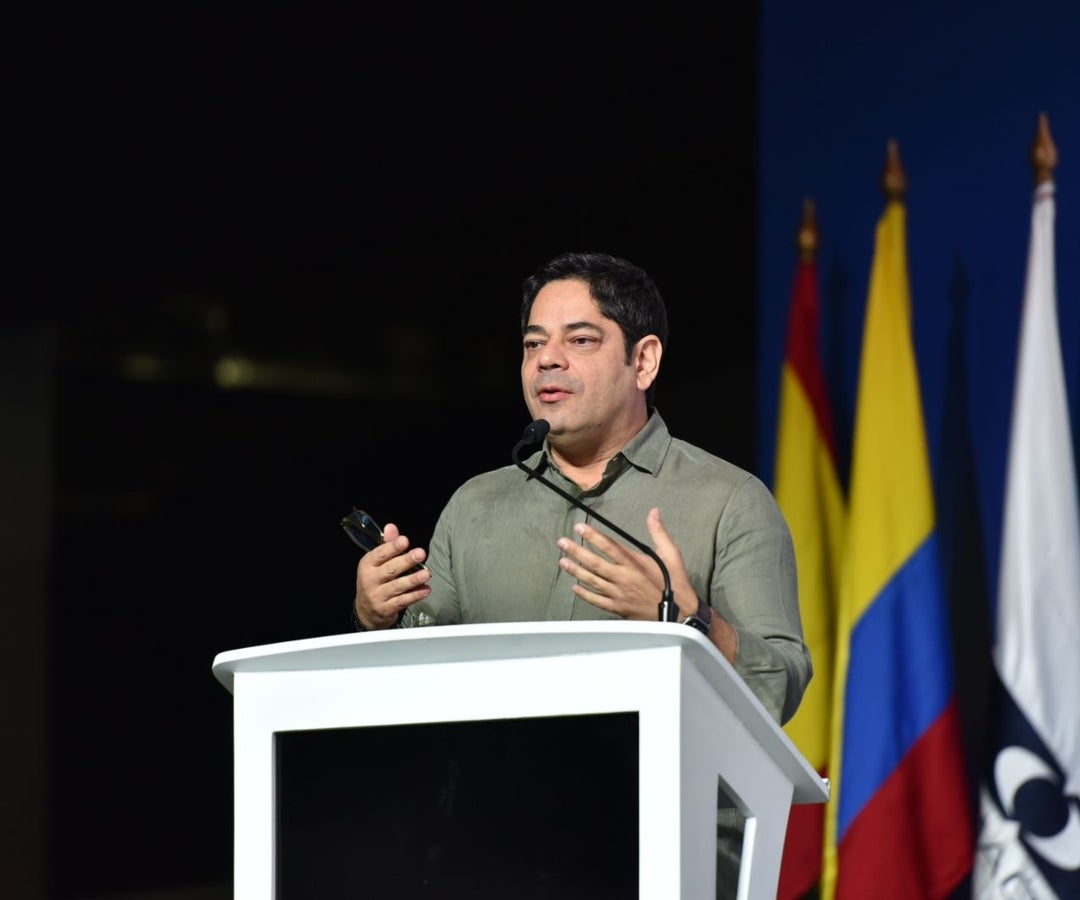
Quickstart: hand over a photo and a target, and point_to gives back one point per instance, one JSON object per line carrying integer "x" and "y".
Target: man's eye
{"x": 531, "y": 345}
{"x": 583, "y": 341}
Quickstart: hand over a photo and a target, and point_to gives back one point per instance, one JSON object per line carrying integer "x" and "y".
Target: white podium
{"x": 699, "y": 729}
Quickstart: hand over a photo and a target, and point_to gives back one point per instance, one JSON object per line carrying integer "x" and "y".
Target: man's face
{"x": 574, "y": 371}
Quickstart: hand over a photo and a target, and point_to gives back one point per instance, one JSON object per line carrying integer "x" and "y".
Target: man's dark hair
{"x": 624, "y": 293}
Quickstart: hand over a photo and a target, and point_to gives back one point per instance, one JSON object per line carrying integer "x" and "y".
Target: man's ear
{"x": 646, "y": 360}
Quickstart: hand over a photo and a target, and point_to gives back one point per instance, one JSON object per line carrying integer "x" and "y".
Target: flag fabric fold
{"x": 807, "y": 488}
{"x": 1029, "y": 838}
{"x": 898, "y": 824}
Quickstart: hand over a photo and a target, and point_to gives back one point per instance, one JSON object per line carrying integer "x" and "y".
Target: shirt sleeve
{"x": 755, "y": 589}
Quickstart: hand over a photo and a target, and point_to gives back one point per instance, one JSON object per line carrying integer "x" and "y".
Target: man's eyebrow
{"x": 569, "y": 326}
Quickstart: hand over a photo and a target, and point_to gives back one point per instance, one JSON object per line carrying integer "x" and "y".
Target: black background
{"x": 347, "y": 199}
{"x": 476, "y": 809}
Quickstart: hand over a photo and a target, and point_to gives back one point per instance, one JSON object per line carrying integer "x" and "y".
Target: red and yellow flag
{"x": 807, "y": 489}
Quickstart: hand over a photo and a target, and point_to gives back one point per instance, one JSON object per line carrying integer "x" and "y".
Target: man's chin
{"x": 556, "y": 422}
{"x": 549, "y": 414}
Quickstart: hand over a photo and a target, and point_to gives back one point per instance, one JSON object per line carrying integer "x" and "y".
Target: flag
{"x": 898, "y": 822}
{"x": 1029, "y": 838}
{"x": 807, "y": 489}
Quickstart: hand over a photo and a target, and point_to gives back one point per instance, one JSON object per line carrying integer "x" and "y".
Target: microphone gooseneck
{"x": 534, "y": 433}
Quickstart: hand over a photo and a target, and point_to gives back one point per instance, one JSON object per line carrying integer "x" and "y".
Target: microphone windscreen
{"x": 536, "y": 431}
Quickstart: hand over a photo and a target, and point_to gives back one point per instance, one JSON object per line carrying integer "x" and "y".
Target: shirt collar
{"x": 647, "y": 448}
{"x": 645, "y": 451}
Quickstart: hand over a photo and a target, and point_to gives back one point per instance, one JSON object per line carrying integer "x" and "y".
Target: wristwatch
{"x": 701, "y": 619}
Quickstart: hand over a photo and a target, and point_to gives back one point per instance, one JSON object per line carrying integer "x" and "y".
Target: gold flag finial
{"x": 808, "y": 238}
{"x": 893, "y": 179}
{"x": 1044, "y": 155}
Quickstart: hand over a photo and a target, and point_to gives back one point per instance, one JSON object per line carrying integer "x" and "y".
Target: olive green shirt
{"x": 493, "y": 554}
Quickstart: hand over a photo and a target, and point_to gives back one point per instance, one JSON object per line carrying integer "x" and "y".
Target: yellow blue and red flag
{"x": 899, "y": 822}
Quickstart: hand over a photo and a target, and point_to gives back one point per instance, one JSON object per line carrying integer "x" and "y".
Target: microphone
{"x": 534, "y": 433}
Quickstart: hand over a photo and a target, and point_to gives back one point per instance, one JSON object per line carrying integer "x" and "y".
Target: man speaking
{"x": 612, "y": 518}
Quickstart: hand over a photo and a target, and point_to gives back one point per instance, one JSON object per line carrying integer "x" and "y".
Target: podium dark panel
{"x": 524, "y": 808}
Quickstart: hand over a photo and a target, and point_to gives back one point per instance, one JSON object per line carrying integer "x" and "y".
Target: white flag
{"x": 1029, "y": 840}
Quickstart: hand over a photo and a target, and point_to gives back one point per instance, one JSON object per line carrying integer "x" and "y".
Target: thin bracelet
{"x": 360, "y": 626}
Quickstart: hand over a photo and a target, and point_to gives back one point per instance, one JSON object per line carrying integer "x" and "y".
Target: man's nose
{"x": 551, "y": 356}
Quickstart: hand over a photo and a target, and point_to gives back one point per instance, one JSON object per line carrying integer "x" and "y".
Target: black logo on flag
{"x": 1028, "y": 786}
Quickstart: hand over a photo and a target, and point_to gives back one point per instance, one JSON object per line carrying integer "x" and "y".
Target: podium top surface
{"x": 456, "y": 643}
{"x": 507, "y": 641}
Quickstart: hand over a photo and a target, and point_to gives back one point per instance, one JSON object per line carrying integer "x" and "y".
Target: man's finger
{"x": 655, "y": 524}
{"x": 665, "y": 546}
{"x": 579, "y": 558}
{"x": 610, "y": 548}
{"x": 390, "y": 548}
